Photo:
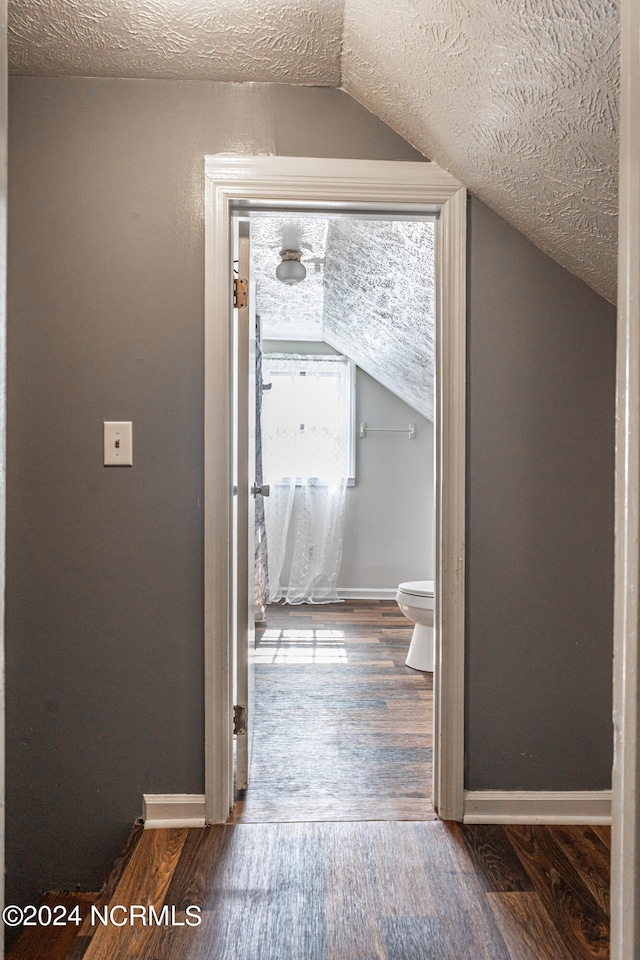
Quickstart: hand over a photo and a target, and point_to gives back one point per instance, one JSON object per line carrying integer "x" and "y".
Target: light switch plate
{"x": 118, "y": 443}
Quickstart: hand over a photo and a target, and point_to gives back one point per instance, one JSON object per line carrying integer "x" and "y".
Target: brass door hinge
{"x": 239, "y": 719}
{"x": 240, "y": 290}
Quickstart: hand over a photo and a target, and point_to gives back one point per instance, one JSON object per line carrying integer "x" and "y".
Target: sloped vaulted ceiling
{"x": 517, "y": 98}
{"x": 369, "y": 293}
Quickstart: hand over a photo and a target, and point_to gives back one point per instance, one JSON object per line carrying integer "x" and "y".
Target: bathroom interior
{"x": 345, "y": 532}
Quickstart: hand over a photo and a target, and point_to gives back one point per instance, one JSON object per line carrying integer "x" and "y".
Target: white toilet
{"x": 416, "y": 600}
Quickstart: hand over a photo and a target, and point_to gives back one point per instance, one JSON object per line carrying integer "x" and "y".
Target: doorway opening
{"x": 273, "y": 187}
{"x": 344, "y": 466}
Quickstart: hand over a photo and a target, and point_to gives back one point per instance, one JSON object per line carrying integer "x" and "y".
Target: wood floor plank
{"x": 579, "y": 920}
{"x": 298, "y": 926}
{"x": 496, "y": 864}
{"x": 400, "y": 871}
{"x": 409, "y": 938}
{"x": 145, "y": 882}
{"x": 353, "y": 927}
{"x": 590, "y": 857}
{"x": 526, "y": 926}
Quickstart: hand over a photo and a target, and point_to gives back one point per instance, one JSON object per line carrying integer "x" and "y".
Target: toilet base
{"x": 421, "y": 649}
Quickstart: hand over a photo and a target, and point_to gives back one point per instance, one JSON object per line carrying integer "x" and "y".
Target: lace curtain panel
{"x": 306, "y": 424}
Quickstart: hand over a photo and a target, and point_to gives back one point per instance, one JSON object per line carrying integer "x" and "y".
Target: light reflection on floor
{"x": 301, "y": 646}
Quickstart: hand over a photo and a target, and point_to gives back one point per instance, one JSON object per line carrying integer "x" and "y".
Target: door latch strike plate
{"x": 239, "y": 719}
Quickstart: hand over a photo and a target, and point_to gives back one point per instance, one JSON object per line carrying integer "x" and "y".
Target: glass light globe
{"x": 290, "y": 270}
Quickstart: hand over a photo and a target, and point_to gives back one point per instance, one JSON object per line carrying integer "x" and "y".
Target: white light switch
{"x": 118, "y": 443}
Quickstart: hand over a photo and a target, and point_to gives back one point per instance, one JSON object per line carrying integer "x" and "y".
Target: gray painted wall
{"x": 105, "y": 579}
{"x": 105, "y": 568}
{"x": 541, "y": 382}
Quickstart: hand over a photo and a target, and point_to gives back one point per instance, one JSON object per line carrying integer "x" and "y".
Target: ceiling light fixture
{"x": 290, "y": 270}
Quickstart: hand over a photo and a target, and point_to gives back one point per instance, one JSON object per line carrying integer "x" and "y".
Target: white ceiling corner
{"x": 516, "y": 98}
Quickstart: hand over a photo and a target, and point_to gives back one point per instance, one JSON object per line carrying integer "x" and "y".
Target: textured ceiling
{"x": 289, "y": 41}
{"x": 369, "y": 293}
{"x": 379, "y": 303}
{"x": 289, "y": 312}
{"x": 516, "y": 98}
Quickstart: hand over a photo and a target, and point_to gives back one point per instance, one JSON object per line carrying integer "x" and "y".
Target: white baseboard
{"x": 367, "y": 593}
{"x": 161, "y": 810}
{"x": 537, "y": 806}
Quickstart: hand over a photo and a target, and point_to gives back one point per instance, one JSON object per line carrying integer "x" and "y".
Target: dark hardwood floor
{"x": 334, "y": 853}
{"x": 365, "y": 891}
{"x": 343, "y": 727}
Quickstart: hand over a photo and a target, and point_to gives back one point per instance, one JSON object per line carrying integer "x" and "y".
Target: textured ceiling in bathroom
{"x": 289, "y": 312}
{"x": 517, "y": 99}
{"x": 379, "y": 303}
{"x": 369, "y": 293}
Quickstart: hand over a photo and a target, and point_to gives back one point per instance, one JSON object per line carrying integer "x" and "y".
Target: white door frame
{"x": 625, "y": 847}
{"x": 341, "y": 184}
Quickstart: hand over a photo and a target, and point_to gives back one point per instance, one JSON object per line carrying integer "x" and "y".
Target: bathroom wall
{"x": 105, "y": 573}
{"x": 390, "y": 512}
{"x": 390, "y": 518}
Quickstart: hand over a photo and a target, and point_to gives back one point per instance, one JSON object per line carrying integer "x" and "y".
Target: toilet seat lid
{"x": 418, "y": 588}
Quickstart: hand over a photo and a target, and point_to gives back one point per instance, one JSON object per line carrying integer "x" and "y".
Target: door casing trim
{"x": 625, "y": 834}
{"x": 337, "y": 184}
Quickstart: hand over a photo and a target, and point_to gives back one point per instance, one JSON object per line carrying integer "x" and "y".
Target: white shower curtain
{"x": 305, "y": 429}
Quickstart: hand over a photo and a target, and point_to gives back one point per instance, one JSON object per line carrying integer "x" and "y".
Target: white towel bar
{"x": 411, "y": 430}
